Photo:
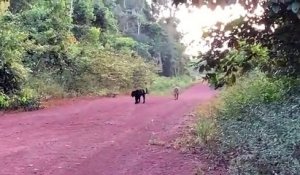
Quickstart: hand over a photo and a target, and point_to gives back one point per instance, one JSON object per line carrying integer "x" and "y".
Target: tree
{"x": 49, "y": 27}
{"x": 280, "y": 35}
{"x": 13, "y": 73}
{"x": 157, "y": 40}
{"x": 83, "y": 13}
{"x": 17, "y": 6}
{"x": 52, "y": 48}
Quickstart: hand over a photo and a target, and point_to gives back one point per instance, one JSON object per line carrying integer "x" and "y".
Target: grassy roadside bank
{"x": 251, "y": 127}
{"x": 165, "y": 85}
{"x": 51, "y": 93}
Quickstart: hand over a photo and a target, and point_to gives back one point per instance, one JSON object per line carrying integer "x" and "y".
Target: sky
{"x": 194, "y": 21}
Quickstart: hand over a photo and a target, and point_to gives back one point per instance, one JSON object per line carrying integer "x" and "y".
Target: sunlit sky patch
{"x": 193, "y": 22}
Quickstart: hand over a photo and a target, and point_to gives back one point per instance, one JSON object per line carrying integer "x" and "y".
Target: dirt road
{"x": 99, "y": 137}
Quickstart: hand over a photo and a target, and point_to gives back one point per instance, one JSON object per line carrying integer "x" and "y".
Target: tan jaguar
{"x": 176, "y": 93}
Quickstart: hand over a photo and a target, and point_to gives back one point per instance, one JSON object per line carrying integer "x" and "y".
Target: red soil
{"x": 108, "y": 136}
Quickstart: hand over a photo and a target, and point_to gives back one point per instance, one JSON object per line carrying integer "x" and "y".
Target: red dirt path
{"x": 107, "y": 136}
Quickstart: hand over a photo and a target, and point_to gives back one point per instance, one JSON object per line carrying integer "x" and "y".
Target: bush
{"x": 265, "y": 139}
{"x": 98, "y": 70}
{"x": 25, "y": 99}
{"x": 93, "y": 71}
{"x": 46, "y": 86}
{"x": 28, "y": 99}
{"x": 254, "y": 88}
{"x": 162, "y": 85}
{"x": 12, "y": 71}
{"x": 4, "y": 101}
{"x": 205, "y": 129}
{"x": 259, "y": 126}
{"x": 206, "y": 125}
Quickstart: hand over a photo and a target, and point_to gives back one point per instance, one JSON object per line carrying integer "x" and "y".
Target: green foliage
{"x": 258, "y": 122}
{"x": 205, "y": 129}
{"x": 257, "y": 126}
{"x": 63, "y": 48}
{"x": 12, "y": 72}
{"x": 92, "y": 36}
{"x": 125, "y": 44}
{"x": 256, "y": 88}
{"x": 25, "y": 99}
{"x": 4, "y": 101}
{"x": 264, "y": 139}
{"x": 102, "y": 69}
{"x": 156, "y": 41}
{"x": 235, "y": 63}
{"x": 46, "y": 86}
{"x": 83, "y": 11}
{"x": 162, "y": 85}
{"x": 281, "y": 41}
{"x": 19, "y": 5}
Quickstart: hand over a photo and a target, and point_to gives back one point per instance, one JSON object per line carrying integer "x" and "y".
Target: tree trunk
{"x": 71, "y": 8}
{"x": 160, "y": 62}
{"x": 124, "y": 4}
{"x": 138, "y": 27}
{"x": 127, "y": 26}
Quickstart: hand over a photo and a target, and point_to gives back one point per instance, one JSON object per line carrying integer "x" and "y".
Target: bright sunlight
{"x": 192, "y": 30}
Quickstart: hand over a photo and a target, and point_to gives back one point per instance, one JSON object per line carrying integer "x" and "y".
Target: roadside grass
{"x": 165, "y": 85}
{"x": 253, "y": 126}
{"x": 206, "y": 124}
{"x": 200, "y": 138}
{"x": 49, "y": 92}
{"x": 202, "y": 131}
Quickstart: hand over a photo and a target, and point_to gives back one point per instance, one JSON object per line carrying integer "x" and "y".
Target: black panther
{"x": 137, "y": 94}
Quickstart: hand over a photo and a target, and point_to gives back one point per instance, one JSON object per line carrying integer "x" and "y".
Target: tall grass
{"x": 205, "y": 129}
{"x": 165, "y": 85}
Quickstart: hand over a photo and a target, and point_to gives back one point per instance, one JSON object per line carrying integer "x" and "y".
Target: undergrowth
{"x": 256, "y": 126}
{"x": 165, "y": 85}
{"x": 25, "y": 99}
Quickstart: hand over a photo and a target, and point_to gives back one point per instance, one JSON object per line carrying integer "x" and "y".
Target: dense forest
{"x": 77, "y": 47}
{"x": 254, "y": 125}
